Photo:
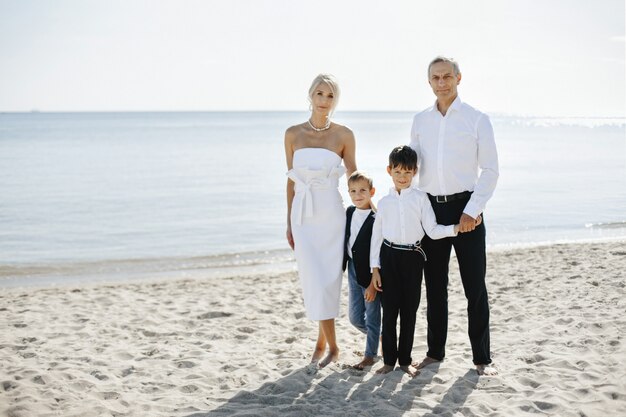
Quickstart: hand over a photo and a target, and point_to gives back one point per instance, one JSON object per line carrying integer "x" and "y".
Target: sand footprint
{"x": 248, "y": 330}
{"x": 185, "y": 364}
{"x": 108, "y": 395}
{"x": 128, "y": 371}
{"x": 81, "y": 385}
{"x": 124, "y": 356}
{"x": 40, "y": 380}
{"x": 214, "y": 315}
{"x": 98, "y": 375}
{"x": 544, "y": 406}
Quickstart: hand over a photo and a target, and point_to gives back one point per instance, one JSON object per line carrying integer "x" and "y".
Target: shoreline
{"x": 115, "y": 271}
{"x": 239, "y": 345}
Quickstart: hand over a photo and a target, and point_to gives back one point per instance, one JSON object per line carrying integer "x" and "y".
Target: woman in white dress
{"x": 315, "y": 214}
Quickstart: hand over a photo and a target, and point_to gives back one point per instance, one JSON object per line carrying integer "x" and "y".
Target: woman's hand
{"x": 290, "y": 237}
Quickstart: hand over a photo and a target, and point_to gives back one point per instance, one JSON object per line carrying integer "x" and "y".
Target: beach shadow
{"x": 386, "y": 400}
{"x": 290, "y": 396}
{"x": 349, "y": 393}
{"x": 345, "y": 392}
{"x": 456, "y": 395}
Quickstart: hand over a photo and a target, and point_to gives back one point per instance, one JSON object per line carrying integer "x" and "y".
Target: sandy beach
{"x": 239, "y": 346}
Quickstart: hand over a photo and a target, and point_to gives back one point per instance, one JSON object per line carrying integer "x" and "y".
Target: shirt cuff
{"x": 472, "y": 209}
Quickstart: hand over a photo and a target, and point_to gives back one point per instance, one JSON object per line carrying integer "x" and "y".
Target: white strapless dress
{"x": 318, "y": 225}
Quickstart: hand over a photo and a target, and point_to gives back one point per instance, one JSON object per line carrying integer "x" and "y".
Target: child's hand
{"x": 370, "y": 292}
{"x": 378, "y": 283}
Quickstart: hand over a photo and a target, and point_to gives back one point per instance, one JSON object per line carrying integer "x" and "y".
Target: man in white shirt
{"x": 459, "y": 171}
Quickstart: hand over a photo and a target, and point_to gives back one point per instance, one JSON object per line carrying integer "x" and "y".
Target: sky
{"x": 558, "y": 58}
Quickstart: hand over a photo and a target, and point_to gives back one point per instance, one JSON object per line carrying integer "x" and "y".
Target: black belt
{"x": 448, "y": 198}
{"x": 414, "y": 247}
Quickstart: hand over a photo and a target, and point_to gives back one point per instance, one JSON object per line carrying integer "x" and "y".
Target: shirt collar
{"x": 456, "y": 105}
{"x": 394, "y": 193}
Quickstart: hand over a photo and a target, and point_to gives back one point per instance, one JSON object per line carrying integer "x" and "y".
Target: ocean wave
{"x": 589, "y": 122}
{"x": 503, "y": 247}
{"x": 609, "y": 225}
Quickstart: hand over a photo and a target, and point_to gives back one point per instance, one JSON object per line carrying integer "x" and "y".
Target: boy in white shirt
{"x": 397, "y": 258}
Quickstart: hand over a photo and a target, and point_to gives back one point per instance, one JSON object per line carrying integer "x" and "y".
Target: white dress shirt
{"x": 358, "y": 218}
{"x": 452, "y": 149}
{"x": 403, "y": 218}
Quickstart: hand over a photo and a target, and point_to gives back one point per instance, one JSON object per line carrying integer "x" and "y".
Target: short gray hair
{"x": 451, "y": 61}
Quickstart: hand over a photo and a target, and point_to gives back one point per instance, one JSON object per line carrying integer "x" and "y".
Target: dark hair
{"x": 360, "y": 175}
{"x": 403, "y": 157}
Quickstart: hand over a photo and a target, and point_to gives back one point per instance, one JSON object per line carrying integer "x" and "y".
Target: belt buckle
{"x": 441, "y": 198}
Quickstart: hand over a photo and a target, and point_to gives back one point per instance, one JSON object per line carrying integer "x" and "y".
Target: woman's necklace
{"x": 319, "y": 129}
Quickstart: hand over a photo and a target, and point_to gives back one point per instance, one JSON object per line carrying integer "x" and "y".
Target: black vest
{"x": 360, "y": 249}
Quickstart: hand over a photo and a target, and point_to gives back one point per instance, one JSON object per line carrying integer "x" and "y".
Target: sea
{"x": 91, "y": 197}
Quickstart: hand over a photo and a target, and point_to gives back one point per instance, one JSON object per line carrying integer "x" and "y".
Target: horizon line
{"x": 494, "y": 113}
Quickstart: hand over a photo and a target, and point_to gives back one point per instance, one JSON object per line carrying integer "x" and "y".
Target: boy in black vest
{"x": 364, "y": 311}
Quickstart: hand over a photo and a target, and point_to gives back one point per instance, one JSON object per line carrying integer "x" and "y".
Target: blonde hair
{"x": 361, "y": 175}
{"x": 331, "y": 81}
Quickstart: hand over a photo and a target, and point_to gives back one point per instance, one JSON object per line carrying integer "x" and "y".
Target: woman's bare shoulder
{"x": 345, "y": 135}
{"x": 343, "y": 130}
{"x": 295, "y": 129}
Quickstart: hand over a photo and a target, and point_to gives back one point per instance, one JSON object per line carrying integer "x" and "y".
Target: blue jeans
{"x": 364, "y": 315}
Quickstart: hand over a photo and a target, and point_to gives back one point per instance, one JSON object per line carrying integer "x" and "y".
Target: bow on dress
{"x": 312, "y": 179}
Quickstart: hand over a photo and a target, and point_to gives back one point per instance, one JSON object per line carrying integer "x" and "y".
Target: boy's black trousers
{"x": 401, "y": 275}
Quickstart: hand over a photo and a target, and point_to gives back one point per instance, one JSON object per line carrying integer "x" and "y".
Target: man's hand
{"x": 467, "y": 223}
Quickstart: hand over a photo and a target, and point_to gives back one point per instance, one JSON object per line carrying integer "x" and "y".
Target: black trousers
{"x": 401, "y": 275}
{"x": 470, "y": 251}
